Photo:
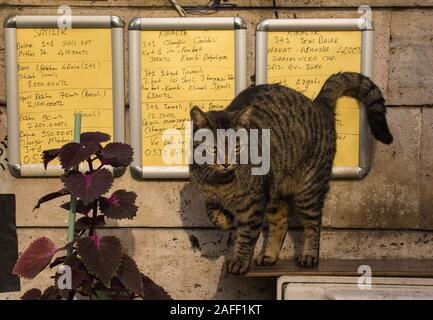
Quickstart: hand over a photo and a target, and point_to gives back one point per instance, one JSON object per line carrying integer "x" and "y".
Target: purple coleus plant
{"x": 100, "y": 268}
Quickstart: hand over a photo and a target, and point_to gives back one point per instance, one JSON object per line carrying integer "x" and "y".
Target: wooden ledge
{"x": 415, "y": 268}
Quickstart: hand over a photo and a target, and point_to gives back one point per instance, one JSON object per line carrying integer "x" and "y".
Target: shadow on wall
{"x": 8, "y": 244}
{"x": 3, "y": 154}
{"x": 3, "y": 141}
{"x": 215, "y": 243}
{"x": 125, "y": 235}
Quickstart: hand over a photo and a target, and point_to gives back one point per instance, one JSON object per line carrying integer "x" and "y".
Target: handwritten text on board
{"x": 304, "y": 60}
{"x": 61, "y": 71}
{"x": 179, "y": 70}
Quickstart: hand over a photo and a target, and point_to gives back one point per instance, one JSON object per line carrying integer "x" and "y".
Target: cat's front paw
{"x": 238, "y": 266}
{"x": 309, "y": 258}
{"x": 265, "y": 260}
{"x": 222, "y": 222}
{"x": 221, "y": 218}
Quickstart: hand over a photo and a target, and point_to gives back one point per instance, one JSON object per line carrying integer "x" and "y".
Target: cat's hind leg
{"x": 219, "y": 216}
{"x": 310, "y": 204}
{"x": 277, "y": 222}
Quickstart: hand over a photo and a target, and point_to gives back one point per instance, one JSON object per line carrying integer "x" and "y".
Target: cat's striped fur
{"x": 302, "y": 150}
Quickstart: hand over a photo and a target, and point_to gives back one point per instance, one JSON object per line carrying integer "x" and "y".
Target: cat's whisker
{"x": 198, "y": 176}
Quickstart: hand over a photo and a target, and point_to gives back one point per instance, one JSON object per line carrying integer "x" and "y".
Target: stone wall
{"x": 387, "y": 214}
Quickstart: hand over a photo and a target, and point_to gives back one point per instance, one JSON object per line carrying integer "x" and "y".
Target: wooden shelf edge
{"x": 419, "y": 268}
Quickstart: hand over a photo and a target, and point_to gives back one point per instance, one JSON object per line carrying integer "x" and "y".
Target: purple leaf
{"x": 117, "y": 154}
{"x": 81, "y": 208}
{"x": 152, "y": 291}
{"x": 57, "y": 261}
{"x": 51, "y": 293}
{"x": 120, "y": 205}
{"x": 94, "y": 137}
{"x": 116, "y": 291}
{"x": 101, "y": 255}
{"x": 86, "y": 186}
{"x": 37, "y": 256}
{"x": 116, "y": 286}
{"x": 86, "y": 222}
{"x": 130, "y": 276}
{"x": 83, "y": 223}
{"x": 32, "y": 294}
{"x": 72, "y": 154}
{"x": 78, "y": 270}
{"x": 51, "y": 196}
{"x": 49, "y": 155}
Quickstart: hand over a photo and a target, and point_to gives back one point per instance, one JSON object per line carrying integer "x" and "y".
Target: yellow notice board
{"x": 181, "y": 69}
{"x": 303, "y": 60}
{"x": 60, "y": 72}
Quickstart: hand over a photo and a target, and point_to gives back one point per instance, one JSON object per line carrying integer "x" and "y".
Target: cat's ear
{"x": 198, "y": 117}
{"x": 243, "y": 117}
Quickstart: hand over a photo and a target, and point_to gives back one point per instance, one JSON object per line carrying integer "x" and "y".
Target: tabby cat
{"x": 302, "y": 150}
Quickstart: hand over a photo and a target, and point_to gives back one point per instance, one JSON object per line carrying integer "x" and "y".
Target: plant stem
{"x": 90, "y": 163}
{"x": 73, "y": 204}
{"x": 94, "y": 215}
{"x": 95, "y": 202}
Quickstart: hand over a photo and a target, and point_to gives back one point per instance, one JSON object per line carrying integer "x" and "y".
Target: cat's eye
{"x": 212, "y": 149}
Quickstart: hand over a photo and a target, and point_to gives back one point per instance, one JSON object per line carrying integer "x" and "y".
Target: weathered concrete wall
{"x": 387, "y": 214}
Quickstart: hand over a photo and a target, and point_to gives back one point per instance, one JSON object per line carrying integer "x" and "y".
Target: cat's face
{"x": 222, "y": 153}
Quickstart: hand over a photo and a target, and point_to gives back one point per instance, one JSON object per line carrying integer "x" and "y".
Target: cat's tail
{"x": 362, "y": 88}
